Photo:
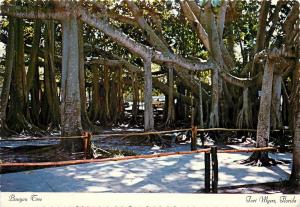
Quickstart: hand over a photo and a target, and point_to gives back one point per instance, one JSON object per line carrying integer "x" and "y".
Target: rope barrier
{"x": 124, "y": 135}
{"x": 261, "y": 149}
{"x": 141, "y": 133}
{"x": 73, "y": 162}
{"x": 225, "y": 129}
{"x": 41, "y": 138}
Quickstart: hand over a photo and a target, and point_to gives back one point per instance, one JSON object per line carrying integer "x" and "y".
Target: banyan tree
{"x": 218, "y": 63}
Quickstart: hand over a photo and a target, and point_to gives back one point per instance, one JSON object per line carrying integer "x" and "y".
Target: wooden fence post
{"x": 194, "y": 138}
{"x": 207, "y": 172}
{"x": 86, "y": 144}
{"x": 214, "y": 159}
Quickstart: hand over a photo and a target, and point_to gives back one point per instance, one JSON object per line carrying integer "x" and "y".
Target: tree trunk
{"x": 135, "y": 99}
{"x": 18, "y": 94}
{"x": 263, "y": 126}
{"x": 214, "y": 113}
{"x": 180, "y": 105}
{"x": 200, "y": 110}
{"x": 120, "y": 106}
{"x": 10, "y": 55}
{"x": 95, "y": 108}
{"x": 70, "y": 87}
{"x": 49, "y": 72}
{"x": 215, "y": 39}
{"x": 35, "y": 94}
{"x": 106, "y": 78}
{"x": 34, "y": 54}
{"x": 276, "y": 102}
{"x": 86, "y": 123}
{"x": 148, "y": 111}
{"x": 295, "y": 175}
{"x": 264, "y": 117}
{"x": 113, "y": 98}
{"x": 171, "y": 112}
{"x": 244, "y": 118}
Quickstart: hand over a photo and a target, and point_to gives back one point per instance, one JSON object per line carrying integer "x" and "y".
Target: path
{"x": 174, "y": 174}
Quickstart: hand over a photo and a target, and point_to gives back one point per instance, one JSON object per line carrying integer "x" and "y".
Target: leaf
{"x": 216, "y": 3}
{"x": 202, "y": 2}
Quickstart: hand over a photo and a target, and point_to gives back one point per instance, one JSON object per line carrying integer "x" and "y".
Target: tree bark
{"x": 148, "y": 111}
{"x": 200, "y": 110}
{"x": 244, "y": 118}
{"x": 10, "y": 56}
{"x": 34, "y": 54}
{"x": 214, "y": 114}
{"x": 18, "y": 94}
{"x": 49, "y": 72}
{"x": 86, "y": 123}
{"x": 295, "y": 175}
{"x": 276, "y": 102}
{"x": 95, "y": 107}
{"x": 70, "y": 87}
{"x": 106, "y": 77}
{"x": 171, "y": 110}
{"x": 263, "y": 125}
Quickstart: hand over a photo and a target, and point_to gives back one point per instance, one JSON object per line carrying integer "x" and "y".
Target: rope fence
{"x": 124, "y": 135}
{"x": 40, "y": 138}
{"x": 73, "y": 162}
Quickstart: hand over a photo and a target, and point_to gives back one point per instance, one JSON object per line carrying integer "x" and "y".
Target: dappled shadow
{"x": 182, "y": 173}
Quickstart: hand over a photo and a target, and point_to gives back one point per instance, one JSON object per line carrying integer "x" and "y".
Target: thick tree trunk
{"x": 215, "y": 40}
{"x": 18, "y": 94}
{"x": 70, "y": 87}
{"x": 148, "y": 112}
{"x": 264, "y": 118}
{"x": 49, "y": 72}
{"x": 276, "y": 102}
{"x": 263, "y": 125}
{"x": 10, "y": 55}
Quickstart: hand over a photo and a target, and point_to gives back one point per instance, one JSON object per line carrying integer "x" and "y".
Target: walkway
{"x": 175, "y": 174}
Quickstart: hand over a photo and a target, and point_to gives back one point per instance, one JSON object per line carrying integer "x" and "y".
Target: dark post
{"x": 194, "y": 138}
{"x": 207, "y": 172}
{"x": 85, "y": 144}
{"x": 214, "y": 159}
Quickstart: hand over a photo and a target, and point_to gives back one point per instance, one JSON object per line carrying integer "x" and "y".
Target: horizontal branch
{"x": 24, "y": 13}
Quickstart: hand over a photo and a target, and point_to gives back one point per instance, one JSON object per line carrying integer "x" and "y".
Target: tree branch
{"x": 195, "y": 23}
